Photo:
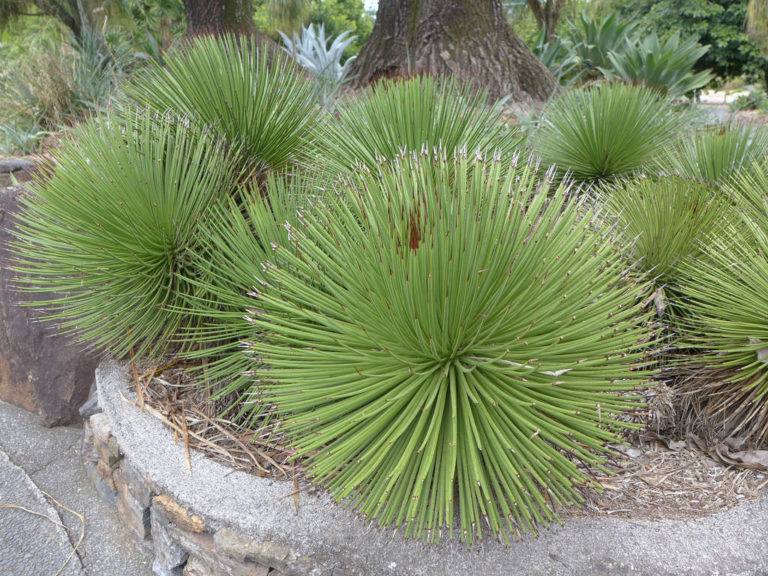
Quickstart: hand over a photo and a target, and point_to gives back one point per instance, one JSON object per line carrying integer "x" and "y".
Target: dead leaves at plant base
{"x": 664, "y": 479}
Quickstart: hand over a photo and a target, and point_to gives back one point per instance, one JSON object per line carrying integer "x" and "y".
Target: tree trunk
{"x": 547, "y": 14}
{"x": 468, "y": 39}
{"x": 217, "y": 16}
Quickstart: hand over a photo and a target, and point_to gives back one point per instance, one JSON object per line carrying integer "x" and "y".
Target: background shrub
{"x": 450, "y": 335}
{"x": 606, "y": 131}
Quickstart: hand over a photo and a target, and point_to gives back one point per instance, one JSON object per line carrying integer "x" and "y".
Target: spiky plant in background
{"x": 110, "y": 231}
{"x": 716, "y": 154}
{"x": 606, "y": 131}
{"x": 323, "y": 62}
{"x": 726, "y": 296}
{"x": 253, "y": 99}
{"x": 668, "y": 220}
{"x": 662, "y": 65}
{"x": 397, "y": 115}
{"x": 451, "y": 335}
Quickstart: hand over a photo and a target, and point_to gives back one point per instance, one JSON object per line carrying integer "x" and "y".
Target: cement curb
{"x": 30, "y": 544}
{"x": 734, "y": 542}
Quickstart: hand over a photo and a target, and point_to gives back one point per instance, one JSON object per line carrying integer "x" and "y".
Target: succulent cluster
{"x": 447, "y": 318}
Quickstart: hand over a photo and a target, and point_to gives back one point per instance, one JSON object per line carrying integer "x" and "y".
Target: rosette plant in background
{"x": 668, "y": 221}
{"x": 717, "y": 154}
{"x": 111, "y": 229}
{"x": 253, "y": 98}
{"x": 397, "y": 115}
{"x": 606, "y": 131}
{"x": 451, "y": 335}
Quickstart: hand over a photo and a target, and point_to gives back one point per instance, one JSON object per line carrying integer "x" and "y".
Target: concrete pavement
{"x": 35, "y": 459}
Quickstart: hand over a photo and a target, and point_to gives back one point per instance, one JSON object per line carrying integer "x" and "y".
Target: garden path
{"x": 34, "y": 459}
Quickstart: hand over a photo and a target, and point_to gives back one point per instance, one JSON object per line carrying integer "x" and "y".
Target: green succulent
{"x": 717, "y": 154}
{"x": 236, "y": 241}
{"x": 666, "y": 66}
{"x": 109, "y": 233}
{"x": 727, "y": 293}
{"x": 451, "y": 335}
{"x": 606, "y": 131}
{"x": 254, "y": 99}
{"x": 669, "y": 220}
{"x": 397, "y": 115}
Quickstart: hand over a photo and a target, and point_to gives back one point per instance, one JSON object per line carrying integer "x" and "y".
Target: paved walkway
{"x": 34, "y": 459}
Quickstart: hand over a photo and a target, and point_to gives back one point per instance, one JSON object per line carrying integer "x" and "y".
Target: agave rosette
{"x": 451, "y": 335}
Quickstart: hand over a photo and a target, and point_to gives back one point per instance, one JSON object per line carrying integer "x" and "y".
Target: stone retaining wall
{"x": 214, "y": 521}
{"x": 182, "y": 542}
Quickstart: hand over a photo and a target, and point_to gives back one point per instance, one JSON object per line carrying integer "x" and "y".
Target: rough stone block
{"x": 104, "y": 471}
{"x": 179, "y": 515}
{"x": 170, "y": 556}
{"x": 105, "y": 491}
{"x": 40, "y": 370}
{"x": 212, "y": 566}
{"x": 136, "y": 484}
{"x": 131, "y": 511}
{"x": 230, "y": 543}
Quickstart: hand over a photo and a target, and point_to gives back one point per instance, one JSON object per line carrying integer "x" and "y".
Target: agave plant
{"x": 254, "y": 100}
{"x": 594, "y": 40}
{"x": 450, "y": 335}
{"x": 717, "y": 154}
{"x": 727, "y": 298}
{"x": 606, "y": 131}
{"x": 398, "y": 115}
{"x": 110, "y": 232}
{"x": 559, "y": 55}
{"x": 310, "y": 49}
{"x": 664, "y": 66}
{"x": 669, "y": 220}
{"x": 235, "y": 242}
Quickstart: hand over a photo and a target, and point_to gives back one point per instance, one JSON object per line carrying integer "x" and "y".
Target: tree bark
{"x": 547, "y": 14}
{"x": 218, "y": 16}
{"x": 468, "y": 39}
